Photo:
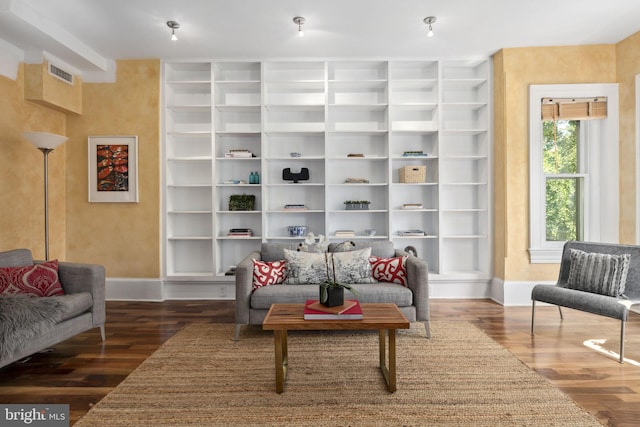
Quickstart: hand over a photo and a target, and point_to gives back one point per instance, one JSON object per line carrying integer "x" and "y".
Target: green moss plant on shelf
{"x": 360, "y": 205}
{"x": 242, "y": 202}
{"x": 331, "y": 291}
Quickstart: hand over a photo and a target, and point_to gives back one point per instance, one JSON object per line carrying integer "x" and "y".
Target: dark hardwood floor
{"x": 82, "y": 370}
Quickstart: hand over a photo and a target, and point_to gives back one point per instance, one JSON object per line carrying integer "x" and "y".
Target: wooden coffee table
{"x": 386, "y": 318}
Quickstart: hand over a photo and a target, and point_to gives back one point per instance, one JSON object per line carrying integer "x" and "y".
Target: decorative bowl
{"x": 297, "y": 230}
{"x": 371, "y": 231}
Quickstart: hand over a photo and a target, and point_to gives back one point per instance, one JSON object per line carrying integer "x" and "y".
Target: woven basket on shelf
{"x": 410, "y": 174}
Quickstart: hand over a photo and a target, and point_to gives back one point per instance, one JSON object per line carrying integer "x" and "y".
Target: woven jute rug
{"x": 461, "y": 377}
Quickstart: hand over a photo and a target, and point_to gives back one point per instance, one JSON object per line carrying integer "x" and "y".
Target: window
{"x": 573, "y": 167}
{"x": 565, "y": 179}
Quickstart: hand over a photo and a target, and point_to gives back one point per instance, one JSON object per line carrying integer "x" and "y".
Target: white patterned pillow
{"x": 353, "y": 267}
{"x": 598, "y": 273}
{"x": 305, "y": 267}
{"x": 314, "y": 268}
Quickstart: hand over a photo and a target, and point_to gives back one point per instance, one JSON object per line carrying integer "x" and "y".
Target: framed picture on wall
{"x": 113, "y": 169}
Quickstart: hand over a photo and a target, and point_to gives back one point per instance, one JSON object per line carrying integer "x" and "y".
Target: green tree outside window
{"x": 563, "y": 201}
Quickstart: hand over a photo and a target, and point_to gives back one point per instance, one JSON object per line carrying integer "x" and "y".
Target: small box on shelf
{"x": 413, "y": 174}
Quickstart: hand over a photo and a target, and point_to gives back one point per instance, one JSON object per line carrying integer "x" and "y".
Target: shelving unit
{"x": 342, "y": 120}
{"x": 237, "y": 90}
{"x": 188, "y": 197}
{"x": 465, "y": 166}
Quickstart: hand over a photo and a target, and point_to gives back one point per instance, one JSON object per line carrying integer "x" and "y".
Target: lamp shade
{"x": 44, "y": 139}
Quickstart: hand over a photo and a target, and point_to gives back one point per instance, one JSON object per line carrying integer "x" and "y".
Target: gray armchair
{"x": 617, "y": 307}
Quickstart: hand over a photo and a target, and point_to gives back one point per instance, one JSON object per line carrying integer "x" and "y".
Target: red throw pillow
{"x": 268, "y": 273}
{"x": 392, "y": 270}
{"x": 39, "y": 279}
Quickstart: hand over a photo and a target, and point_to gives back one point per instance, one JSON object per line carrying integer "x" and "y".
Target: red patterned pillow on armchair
{"x": 268, "y": 273}
{"x": 392, "y": 270}
{"x": 39, "y": 280}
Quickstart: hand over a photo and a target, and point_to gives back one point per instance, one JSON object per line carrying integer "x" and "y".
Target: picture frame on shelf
{"x": 113, "y": 169}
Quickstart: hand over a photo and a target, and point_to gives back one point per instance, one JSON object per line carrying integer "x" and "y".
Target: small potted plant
{"x": 351, "y": 205}
{"x": 332, "y": 292}
{"x": 242, "y": 202}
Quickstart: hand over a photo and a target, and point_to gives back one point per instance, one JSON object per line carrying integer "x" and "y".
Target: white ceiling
{"x": 90, "y": 34}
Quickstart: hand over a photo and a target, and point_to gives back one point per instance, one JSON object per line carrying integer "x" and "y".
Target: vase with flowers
{"x": 331, "y": 291}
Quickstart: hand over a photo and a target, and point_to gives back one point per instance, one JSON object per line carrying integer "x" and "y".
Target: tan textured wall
{"x": 125, "y": 237}
{"x": 22, "y": 174}
{"x": 627, "y": 66}
{"x": 520, "y": 68}
{"x": 43, "y": 88}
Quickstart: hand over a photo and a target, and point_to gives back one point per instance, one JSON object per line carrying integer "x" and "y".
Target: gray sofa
{"x": 595, "y": 303}
{"x": 252, "y": 307}
{"x": 81, "y": 308}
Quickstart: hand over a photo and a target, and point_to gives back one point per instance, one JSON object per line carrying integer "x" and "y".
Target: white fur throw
{"x": 23, "y": 317}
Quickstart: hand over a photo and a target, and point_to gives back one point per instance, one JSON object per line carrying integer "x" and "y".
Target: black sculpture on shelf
{"x": 287, "y": 175}
{"x": 411, "y": 250}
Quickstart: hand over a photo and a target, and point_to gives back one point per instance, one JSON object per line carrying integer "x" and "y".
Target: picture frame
{"x": 113, "y": 169}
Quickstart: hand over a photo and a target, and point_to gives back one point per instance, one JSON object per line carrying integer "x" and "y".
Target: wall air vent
{"x": 58, "y": 72}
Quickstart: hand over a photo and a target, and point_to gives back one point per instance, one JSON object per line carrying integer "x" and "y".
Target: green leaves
{"x": 561, "y": 147}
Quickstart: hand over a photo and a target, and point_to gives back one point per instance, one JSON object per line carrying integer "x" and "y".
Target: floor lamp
{"x": 45, "y": 142}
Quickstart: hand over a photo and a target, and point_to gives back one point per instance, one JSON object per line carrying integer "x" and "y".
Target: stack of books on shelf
{"x": 412, "y": 206}
{"x": 240, "y": 232}
{"x": 411, "y": 233}
{"x": 350, "y": 310}
{"x": 345, "y": 233}
{"x": 294, "y": 207}
{"x": 240, "y": 153}
{"x": 356, "y": 181}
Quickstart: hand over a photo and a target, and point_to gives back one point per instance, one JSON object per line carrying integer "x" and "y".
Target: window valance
{"x": 574, "y": 108}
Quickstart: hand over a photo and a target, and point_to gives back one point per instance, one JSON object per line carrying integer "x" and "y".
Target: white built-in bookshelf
{"x": 347, "y": 120}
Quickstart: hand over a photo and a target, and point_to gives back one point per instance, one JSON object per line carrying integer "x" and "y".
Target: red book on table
{"x": 351, "y": 310}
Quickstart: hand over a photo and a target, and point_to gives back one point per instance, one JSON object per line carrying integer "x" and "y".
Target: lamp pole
{"x": 46, "y": 152}
{"x": 45, "y": 142}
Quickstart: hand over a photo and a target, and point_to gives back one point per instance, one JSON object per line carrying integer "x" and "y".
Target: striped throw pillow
{"x": 598, "y": 273}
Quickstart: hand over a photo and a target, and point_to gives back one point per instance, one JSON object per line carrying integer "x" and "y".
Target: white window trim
{"x": 638, "y": 159}
{"x": 603, "y": 210}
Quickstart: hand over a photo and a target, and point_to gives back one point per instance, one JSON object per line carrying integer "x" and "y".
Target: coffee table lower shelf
{"x": 386, "y": 318}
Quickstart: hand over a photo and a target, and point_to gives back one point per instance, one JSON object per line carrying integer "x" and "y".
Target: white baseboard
{"x": 459, "y": 289}
{"x": 508, "y": 293}
{"x": 512, "y": 293}
{"x": 200, "y": 291}
{"x": 129, "y": 289}
{"x": 123, "y": 289}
